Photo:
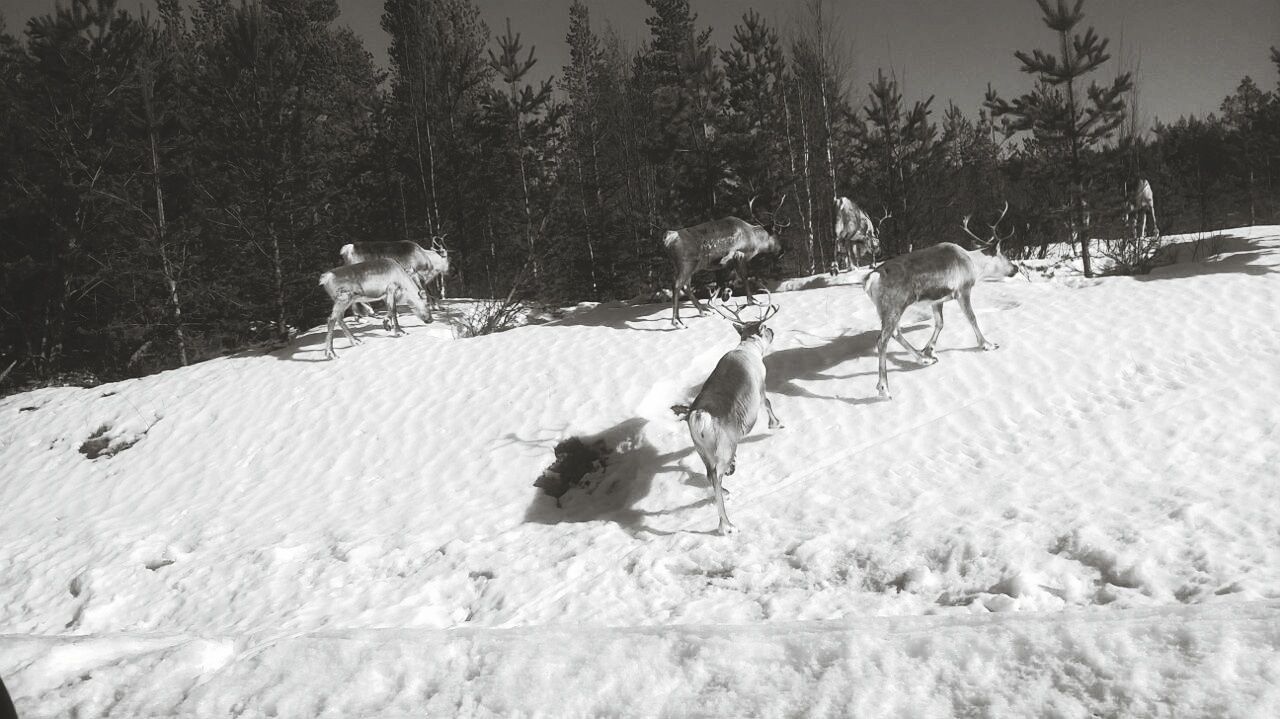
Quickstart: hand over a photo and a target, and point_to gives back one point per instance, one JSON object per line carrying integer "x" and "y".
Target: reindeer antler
{"x": 964, "y": 223}
{"x": 887, "y": 214}
{"x": 995, "y": 238}
{"x": 728, "y": 313}
{"x": 770, "y": 309}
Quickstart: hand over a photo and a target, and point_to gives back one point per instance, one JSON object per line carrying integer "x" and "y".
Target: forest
{"x": 173, "y": 184}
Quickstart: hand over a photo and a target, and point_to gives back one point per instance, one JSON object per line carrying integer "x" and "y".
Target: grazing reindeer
{"x": 377, "y": 279}
{"x": 855, "y": 232}
{"x": 933, "y": 275}
{"x": 715, "y": 244}
{"x": 726, "y": 409}
{"x": 424, "y": 265}
{"x": 1140, "y": 205}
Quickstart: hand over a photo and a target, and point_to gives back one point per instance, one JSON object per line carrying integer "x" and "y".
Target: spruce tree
{"x": 1059, "y": 109}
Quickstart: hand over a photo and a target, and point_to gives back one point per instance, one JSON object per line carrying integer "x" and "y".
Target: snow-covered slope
{"x": 1092, "y": 512}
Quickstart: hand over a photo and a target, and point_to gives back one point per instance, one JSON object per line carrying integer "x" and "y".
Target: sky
{"x": 1189, "y": 55}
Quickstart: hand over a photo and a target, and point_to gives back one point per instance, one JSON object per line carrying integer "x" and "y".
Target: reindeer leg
{"x": 746, "y": 280}
{"x": 328, "y": 337}
{"x": 702, "y": 309}
{"x": 920, "y": 356}
{"x": 675, "y": 302}
{"x": 937, "y": 330}
{"x": 888, "y": 327}
{"x": 774, "y": 422}
{"x": 391, "y": 322}
{"x": 715, "y": 474}
{"x": 336, "y": 317}
{"x": 967, "y": 307}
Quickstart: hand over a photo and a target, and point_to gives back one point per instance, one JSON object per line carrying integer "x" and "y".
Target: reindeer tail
{"x": 681, "y": 411}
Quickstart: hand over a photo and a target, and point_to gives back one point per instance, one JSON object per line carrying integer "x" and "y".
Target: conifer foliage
{"x": 172, "y": 183}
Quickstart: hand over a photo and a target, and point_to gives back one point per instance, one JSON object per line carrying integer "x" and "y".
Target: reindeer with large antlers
{"x": 727, "y": 407}
{"x": 933, "y": 275}
{"x": 855, "y": 233}
{"x": 715, "y": 244}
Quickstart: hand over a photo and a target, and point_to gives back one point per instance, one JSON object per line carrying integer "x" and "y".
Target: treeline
{"x": 173, "y": 185}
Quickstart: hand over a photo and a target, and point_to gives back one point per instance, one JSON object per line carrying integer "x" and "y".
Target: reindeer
{"x": 933, "y": 275}
{"x": 1141, "y": 204}
{"x": 376, "y": 279}
{"x": 424, "y": 265}
{"x": 855, "y": 231}
{"x": 715, "y": 244}
{"x": 727, "y": 407}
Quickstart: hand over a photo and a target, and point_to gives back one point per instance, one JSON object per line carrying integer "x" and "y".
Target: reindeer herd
{"x": 728, "y": 405}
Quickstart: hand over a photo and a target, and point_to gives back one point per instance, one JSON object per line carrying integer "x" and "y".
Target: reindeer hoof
{"x": 727, "y": 528}
{"x": 988, "y": 346}
{"x": 928, "y": 359}
{"x": 330, "y": 355}
{"x": 884, "y": 393}
{"x": 777, "y": 425}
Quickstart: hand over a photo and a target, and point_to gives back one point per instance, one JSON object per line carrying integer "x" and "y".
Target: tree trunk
{"x": 808, "y": 191}
{"x": 162, "y": 228}
{"x": 791, "y": 156}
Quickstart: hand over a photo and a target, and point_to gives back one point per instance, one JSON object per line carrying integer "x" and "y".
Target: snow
{"x": 1083, "y": 522}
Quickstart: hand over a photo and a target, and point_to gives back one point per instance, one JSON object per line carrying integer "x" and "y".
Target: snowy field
{"x": 1085, "y": 522}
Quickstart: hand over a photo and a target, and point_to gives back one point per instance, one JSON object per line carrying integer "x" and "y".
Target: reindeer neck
{"x": 754, "y": 343}
{"x": 982, "y": 262}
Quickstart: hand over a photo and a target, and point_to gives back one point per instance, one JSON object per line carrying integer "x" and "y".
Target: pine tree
{"x": 286, "y": 105}
{"x": 681, "y": 89}
{"x": 439, "y": 78}
{"x": 901, "y": 152}
{"x": 1246, "y": 116}
{"x": 522, "y": 119}
{"x": 1059, "y": 109}
{"x": 80, "y": 57}
{"x": 753, "y": 140}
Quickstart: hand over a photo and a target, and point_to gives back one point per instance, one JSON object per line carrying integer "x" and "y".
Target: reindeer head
{"x": 748, "y": 329}
{"x": 999, "y": 265}
{"x": 872, "y": 243}
{"x": 773, "y": 225}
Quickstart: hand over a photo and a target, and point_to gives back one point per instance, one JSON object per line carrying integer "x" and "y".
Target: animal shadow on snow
{"x": 612, "y": 494}
{"x": 1198, "y": 257}
{"x": 1242, "y": 255}
{"x": 647, "y": 317}
{"x": 310, "y": 347}
{"x": 784, "y": 367}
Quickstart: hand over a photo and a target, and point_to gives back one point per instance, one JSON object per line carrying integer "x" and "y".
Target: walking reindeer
{"x": 855, "y": 233}
{"x": 933, "y": 275}
{"x": 715, "y": 244}
{"x": 728, "y": 405}
{"x": 423, "y": 265}
{"x": 377, "y": 279}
